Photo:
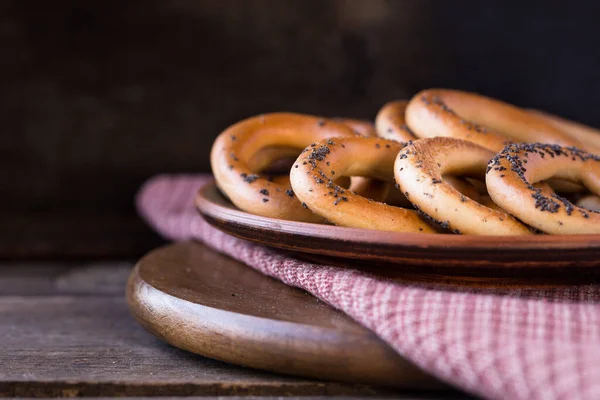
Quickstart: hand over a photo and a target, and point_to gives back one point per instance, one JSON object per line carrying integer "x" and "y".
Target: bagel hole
{"x": 583, "y": 198}
{"x": 278, "y": 171}
{"x": 273, "y": 160}
{"x": 478, "y": 184}
{"x": 472, "y": 188}
{"x": 589, "y": 202}
{"x": 280, "y": 166}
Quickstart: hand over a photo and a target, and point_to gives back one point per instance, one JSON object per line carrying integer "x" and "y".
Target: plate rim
{"x": 441, "y": 241}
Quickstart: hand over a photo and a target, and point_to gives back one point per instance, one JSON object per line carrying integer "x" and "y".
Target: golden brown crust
{"x": 373, "y": 189}
{"x": 418, "y": 170}
{"x": 460, "y": 132}
{"x": 360, "y": 126}
{"x": 488, "y": 122}
{"x": 514, "y": 171}
{"x": 390, "y": 122}
{"x": 237, "y": 146}
{"x": 312, "y": 179}
{"x": 588, "y": 136}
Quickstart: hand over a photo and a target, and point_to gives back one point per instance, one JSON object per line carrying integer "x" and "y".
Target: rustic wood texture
{"x": 71, "y": 236}
{"x": 575, "y": 256}
{"x": 66, "y": 331}
{"x": 60, "y": 278}
{"x": 209, "y": 304}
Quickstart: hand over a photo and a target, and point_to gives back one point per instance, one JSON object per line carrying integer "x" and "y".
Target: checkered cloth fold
{"x": 494, "y": 346}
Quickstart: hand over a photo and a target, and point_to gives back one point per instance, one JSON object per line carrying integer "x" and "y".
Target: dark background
{"x": 96, "y": 96}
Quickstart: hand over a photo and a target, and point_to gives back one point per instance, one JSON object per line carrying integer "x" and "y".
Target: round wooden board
{"x": 444, "y": 253}
{"x": 204, "y": 302}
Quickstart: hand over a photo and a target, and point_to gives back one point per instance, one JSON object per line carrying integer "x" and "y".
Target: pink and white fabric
{"x": 498, "y": 347}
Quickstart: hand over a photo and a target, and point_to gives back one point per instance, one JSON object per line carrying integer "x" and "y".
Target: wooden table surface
{"x": 65, "y": 330}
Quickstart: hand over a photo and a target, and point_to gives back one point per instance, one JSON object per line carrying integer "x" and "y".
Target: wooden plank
{"x": 90, "y": 346}
{"x": 74, "y": 236}
{"x": 64, "y": 278}
{"x": 66, "y": 331}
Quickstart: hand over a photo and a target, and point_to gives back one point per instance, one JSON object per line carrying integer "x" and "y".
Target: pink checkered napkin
{"x": 498, "y": 347}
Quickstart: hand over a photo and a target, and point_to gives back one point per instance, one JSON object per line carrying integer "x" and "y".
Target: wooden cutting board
{"x": 201, "y": 301}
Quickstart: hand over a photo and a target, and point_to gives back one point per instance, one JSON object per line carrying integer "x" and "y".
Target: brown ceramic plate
{"x": 442, "y": 252}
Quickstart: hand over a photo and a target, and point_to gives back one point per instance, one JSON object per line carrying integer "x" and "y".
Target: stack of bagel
{"x": 445, "y": 161}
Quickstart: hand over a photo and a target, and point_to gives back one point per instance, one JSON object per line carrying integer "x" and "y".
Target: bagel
{"x": 235, "y": 164}
{"x": 419, "y": 170}
{"x": 488, "y": 122}
{"x": 390, "y": 122}
{"x": 268, "y": 155}
{"x": 512, "y": 173}
{"x": 359, "y": 126}
{"x": 274, "y": 155}
{"x": 588, "y": 136}
{"x": 312, "y": 180}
